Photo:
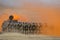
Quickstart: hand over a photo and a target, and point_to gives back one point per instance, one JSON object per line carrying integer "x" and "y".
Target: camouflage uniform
{"x": 8, "y": 25}
{"x": 5, "y": 25}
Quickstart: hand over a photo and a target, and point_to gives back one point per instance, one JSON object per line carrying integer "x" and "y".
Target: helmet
{"x": 11, "y": 17}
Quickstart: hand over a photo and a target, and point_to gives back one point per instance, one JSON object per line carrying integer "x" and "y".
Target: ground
{"x": 19, "y": 36}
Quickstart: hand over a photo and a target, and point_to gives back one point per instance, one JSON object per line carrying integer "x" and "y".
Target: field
{"x": 19, "y": 36}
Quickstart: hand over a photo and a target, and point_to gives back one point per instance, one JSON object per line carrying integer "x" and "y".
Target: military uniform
{"x": 9, "y": 25}
{"x": 5, "y": 25}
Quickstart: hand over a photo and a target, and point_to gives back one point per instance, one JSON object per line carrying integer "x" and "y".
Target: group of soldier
{"x": 14, "y": 26}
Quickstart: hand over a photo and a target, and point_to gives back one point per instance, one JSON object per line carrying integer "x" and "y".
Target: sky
{"x": 44, "y": 11}
{"x": 20, "y": 3}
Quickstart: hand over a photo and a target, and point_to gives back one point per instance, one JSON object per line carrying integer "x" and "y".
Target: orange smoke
{"x": 20, "y": 17}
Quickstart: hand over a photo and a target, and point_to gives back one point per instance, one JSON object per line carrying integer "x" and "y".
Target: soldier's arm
{"x": 3, "y": 24}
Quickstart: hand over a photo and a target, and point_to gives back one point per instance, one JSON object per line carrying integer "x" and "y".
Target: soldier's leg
{"x": 26, "y": 30}
{"x": 2, "y": 29}
{"x": 9, "y": 29}
{"x": 5, "y": 29}
{"x": 23, "y": 29}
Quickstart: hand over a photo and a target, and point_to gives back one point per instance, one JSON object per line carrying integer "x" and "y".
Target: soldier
{"x": 11, "y": 23}
{"x": 19, "y": 26}
{"x": 25, "y": 27}
{"x": 15, "y": 25}
{"x": 33, "y": 27}
{"x": 8, "y": 25}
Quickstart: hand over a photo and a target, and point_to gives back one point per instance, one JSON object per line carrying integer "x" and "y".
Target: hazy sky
{"x": 19, "y": 3}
